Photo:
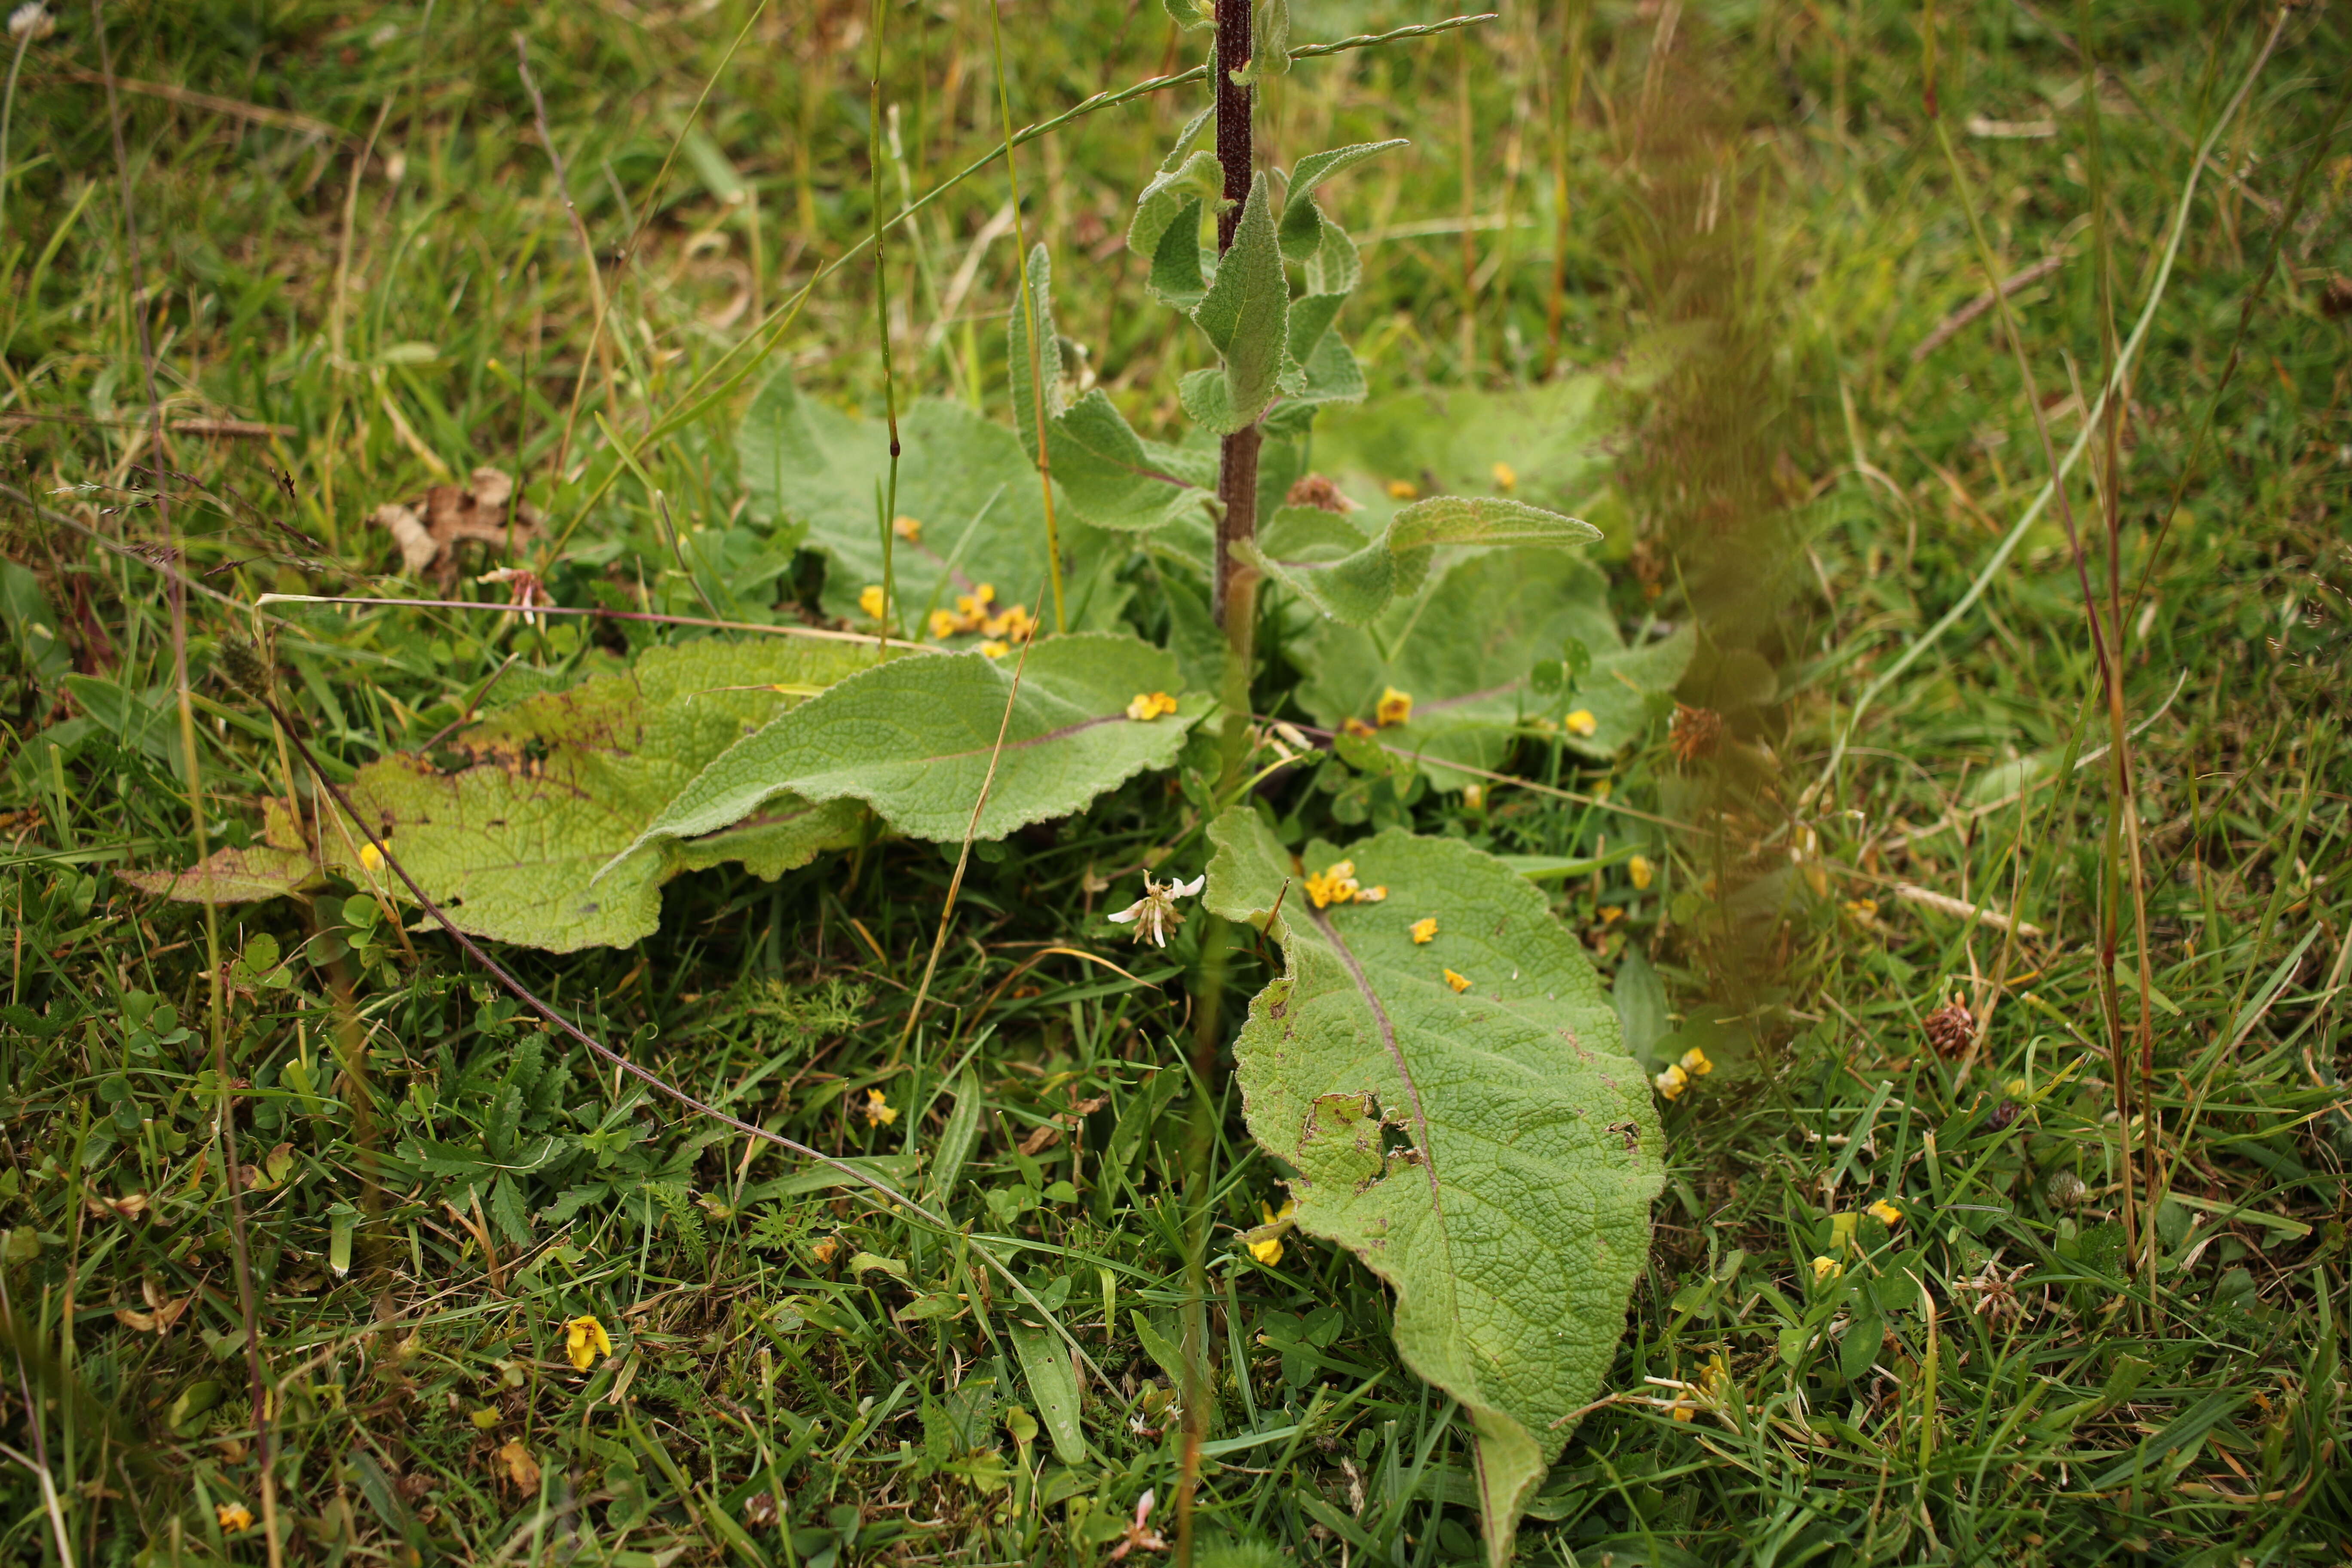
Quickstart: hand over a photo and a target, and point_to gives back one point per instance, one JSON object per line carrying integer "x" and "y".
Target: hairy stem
{"x": 1233, "y": 588}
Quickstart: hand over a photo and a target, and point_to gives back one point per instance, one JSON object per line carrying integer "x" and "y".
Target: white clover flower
{"x": 30, "y": 23}
{"x": 1155, "y": 915}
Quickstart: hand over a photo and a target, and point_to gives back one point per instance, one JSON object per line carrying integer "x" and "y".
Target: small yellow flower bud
{"x": 907, "y": 528}
{"x": 1583, "y": 723}
{"x": 1404, "y": 490}
{"x": 1506, "y": 476}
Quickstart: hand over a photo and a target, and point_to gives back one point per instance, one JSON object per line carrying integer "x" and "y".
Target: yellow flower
{"x": 825, "y": 1251}
{"x": 234, "y": 1517}
{"x": 1672, "y": 1083}
{"x": 1474, "y": 797}
{"x": 1149, "y": 705}
{"x": 995, "y": 649}
{"x": 1583, "y": 723}
{"x": 869, "y": 599}
{"x": 1506, "y": 476}
{"x": 1424, "y": 930}
{"x": 1351, "y": 725}
{"x": 371, "y": 857}
{"x": 1402, "y": 489}
{"x": 878, "y": 1109}
{"x": 1610, "y": 914}
{"x": 1394, "y": 707}
{"x": 1335, "y": 884}
{"x": 1639, "y": 868}
{"x": 1015, "y": 624}
{"x": 1887, "y": 1214}
{"x": 907, "y": 528}
{"x": 944, "y": 625}
{"x": 1459, "y": 982}
{"x": 1267, "y": 1243}
{"x": 1863, "y": 910}
{"x": 585, "y": 1339}
{"x": 1372, "y": 895}
{"x": 1826, "y": 1269}
{"x": 1695, "y": 1063}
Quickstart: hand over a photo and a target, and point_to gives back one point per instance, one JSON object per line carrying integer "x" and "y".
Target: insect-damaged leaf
{"x": 1487, "y": 1150}
{"x": 913, "y": 739}
{"x": 560, "y": 782}
{"x": 1464, "y": 646}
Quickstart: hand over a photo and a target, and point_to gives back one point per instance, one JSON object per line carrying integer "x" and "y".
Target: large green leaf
{"x": 1247, "y": 312}
{"x": 1108, "y": 474}
{"x": 558, "y": 784}
{"x": 1353, "y": 585}
{"x": 1487, "y": 1151}
{"x": 1464, "y": 646}
{"x": 913, "y": 740}
{"x": 1553, "y": 440}
{"x": 963, "y": 479}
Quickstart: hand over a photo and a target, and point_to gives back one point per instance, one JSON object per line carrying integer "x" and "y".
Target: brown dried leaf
{"x": 429, "y": 530}
{"x": 522, "y": 1468}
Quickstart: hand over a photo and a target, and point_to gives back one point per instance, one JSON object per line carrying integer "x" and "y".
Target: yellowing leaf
{"x": 1511, "y": 1305}
{"x": 560, "y": 782}
{"x": 231, "y": 876}
{"x": 522, "y": 1467}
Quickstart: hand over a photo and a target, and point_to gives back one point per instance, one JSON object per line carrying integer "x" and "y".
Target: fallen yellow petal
{"x": 1887, "y": 1214}
{"x": 1372, "y": 895}
{"x": 1583, "y": 723}
{"x": 1424, "y": 930}
{"x": 907, "y": 528}
{"x": 1459, "y": 982}
{"x": 585, "y": 1339}
{"x": 1151, "y": 705}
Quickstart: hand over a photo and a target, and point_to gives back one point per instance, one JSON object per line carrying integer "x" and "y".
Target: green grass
{"x": 1770, "y": 197}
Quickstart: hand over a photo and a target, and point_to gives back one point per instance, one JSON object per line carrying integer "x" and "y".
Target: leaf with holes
{"x": 553, "y": 787}
{"x": 913, "y": 740}
{"x": 1485, "y": 1148}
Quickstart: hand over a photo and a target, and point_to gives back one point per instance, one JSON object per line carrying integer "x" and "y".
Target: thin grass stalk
{"x": 176, "y": 599}
{"x": 1029, "y": 318}
{"x": 882, "y": 325}
{"x": 2123, "y": 815}
{"x": 1563, "y": 131}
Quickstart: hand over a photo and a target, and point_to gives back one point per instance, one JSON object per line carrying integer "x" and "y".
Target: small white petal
{"x": 1186, "y": 889}
{"x": 1125, "y": 915}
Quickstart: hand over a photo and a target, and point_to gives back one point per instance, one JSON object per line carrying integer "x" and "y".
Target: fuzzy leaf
{"x": 1159, "y": 208}
{"x": 1464, "y": 648}
{"x": 913, "y": 738}
{"x": 1353, "y": 589}
{"x": 1246, "y": 313}
{"x": 964, "y": 479}
{"x": 1108, "y": 473}
{"x": 1178, "y": 278}
{"x": 230, "y": 876}
{"x": 1302, "y": 222}
{"x": 560, "y": 783}
{"x": 1554, "y": 440}
{"x": 1269, "y": 43}
{"x": 1516, "y": 1217}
